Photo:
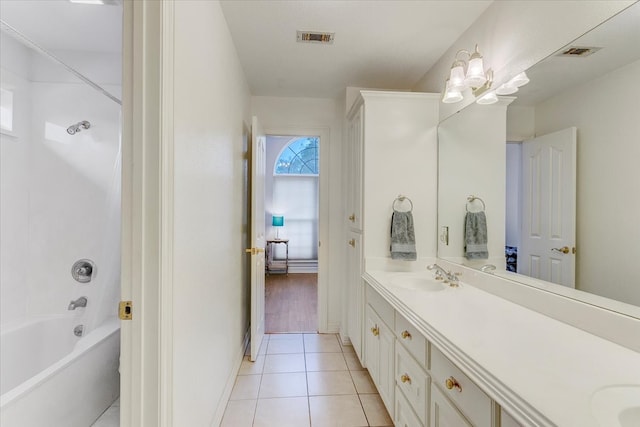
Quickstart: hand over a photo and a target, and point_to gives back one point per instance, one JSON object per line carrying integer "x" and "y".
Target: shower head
{"x": 73, "y": 129}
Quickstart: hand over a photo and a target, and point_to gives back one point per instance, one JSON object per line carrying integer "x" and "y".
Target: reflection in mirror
{"x": 592, "y": 99}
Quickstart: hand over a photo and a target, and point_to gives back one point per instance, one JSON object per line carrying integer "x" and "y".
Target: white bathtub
{"x": 49, "y": 377}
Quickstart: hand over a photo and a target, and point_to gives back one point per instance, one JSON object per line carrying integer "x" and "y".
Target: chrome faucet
{"x": 441, "y": 273}
{"x": 80, "y": 302}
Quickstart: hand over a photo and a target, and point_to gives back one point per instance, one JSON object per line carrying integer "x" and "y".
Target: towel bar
{"x": 401, "y": 199}
{"x": 472, "y": 198}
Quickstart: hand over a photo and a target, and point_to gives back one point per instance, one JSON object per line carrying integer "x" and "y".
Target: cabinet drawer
{"x": 413, "y": 381}
{"x": 404, "y": 416}
{"x": 382, "y": 307}
{"x": 413, "y": 340}
{"x": 466, "y": 396}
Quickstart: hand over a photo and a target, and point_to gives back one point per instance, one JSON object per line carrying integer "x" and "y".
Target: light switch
{"x": 444, "y": 235}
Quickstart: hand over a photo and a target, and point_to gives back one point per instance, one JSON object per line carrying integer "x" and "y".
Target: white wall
{"x": 14, "y": 182}
{"x": 61, "y": 193}
{"x": 400, "y": 157}
{"x": 514, "y": 35}
{"x": 280, "y": 115}
{"x": 606, "y": 113}
{"x": 211, "y": 115}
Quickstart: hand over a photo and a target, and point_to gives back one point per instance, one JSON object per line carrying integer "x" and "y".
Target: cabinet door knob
{"x": 405, "y": 378}
{"x": 405, "y": 335}
{"x": 375, "y": 331}
{"x": 352, "y": 217}
{"x": 452, "y": 383}
{"x": 352, "y": 243}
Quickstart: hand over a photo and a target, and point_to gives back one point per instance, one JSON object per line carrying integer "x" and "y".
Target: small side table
{"x": 279, "y": 266}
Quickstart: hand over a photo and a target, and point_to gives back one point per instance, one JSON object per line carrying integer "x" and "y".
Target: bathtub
{"x": 49, "y": 377}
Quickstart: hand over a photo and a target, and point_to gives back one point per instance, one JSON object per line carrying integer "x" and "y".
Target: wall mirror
{"x": 591, "y": 94}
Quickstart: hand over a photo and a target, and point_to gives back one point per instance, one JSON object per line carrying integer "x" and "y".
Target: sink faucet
{"x": 441, "y": 273}
{"x": 80, "y": 302}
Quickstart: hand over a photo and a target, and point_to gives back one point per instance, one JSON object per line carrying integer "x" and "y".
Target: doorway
{"x": 292, "y": 225}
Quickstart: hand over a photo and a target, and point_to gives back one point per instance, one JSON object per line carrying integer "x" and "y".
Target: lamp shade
{"x": 277, "y": 221}
{"x": 520, "y": 80}
{"x": 475, "y": 72}
{"x": 456, "y": 77}
{"x": 451, "y": 96}
{"x": 488, "y": 98}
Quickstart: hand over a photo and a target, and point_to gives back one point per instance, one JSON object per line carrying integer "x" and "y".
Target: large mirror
{"x": 555, "y": 168}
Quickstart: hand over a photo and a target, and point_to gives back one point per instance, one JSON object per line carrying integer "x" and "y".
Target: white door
{"x": 258, "y": 146}
{"x": 548, "y": 208}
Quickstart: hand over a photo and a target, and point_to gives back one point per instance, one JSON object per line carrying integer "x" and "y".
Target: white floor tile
{"x": 321, "y": 343}
{"x": 284, "y": 412}
{"x": 239, "y": 413}
{"x": 325, "y": 362}
{"x": 330, "y": 383}
{"x": 283, "y": 385}
{"x": 375, "y": 410}
{"x": 252, "y": 368}
{"x": 353, "y": 363}
{"x": 246, "y": 387}
{"x": 281, "y": 346}
{"x": 279, "y": 363}
{"x": 363, "y": 382}
{"x": 336, "y": 411}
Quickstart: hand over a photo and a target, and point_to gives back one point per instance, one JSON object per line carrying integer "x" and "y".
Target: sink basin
{"x": 617, "y": 406}
{"x": 421, "y": 282}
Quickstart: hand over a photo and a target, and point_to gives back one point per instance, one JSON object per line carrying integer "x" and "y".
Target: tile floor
{"x": 304, "y": 380}
{"x": 298, "y": 380}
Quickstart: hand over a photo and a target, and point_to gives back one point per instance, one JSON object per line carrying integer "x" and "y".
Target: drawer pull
{"x": 352, "y": 243}
{"x": 405, "y": 378}
{"x": 375, "y": 331}
{"x": 405, "y": 335}
{"x": 352, "y": 217}
{"x": 452, "y": 383}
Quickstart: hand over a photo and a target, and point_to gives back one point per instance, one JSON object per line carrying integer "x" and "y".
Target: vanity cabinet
{"x": 418, "y": 384}
{"x": 379, "y": 356}
{"x": 355, "y": 291}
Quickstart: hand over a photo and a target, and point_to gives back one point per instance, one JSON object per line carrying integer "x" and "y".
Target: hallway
{"x": 301, "y": 380}
{"x": 291, "y": 303}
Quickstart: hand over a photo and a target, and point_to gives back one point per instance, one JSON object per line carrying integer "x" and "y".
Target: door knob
{"x": 564, "y": 249}
{"x": 352, "y": 243}
{"x": 352, "y": 217}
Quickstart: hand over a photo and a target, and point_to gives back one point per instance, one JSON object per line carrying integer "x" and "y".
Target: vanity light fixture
{"x": 451, "y": 96}
{"x": 488, "y": 98}
{"x": 475, "y": 77}
{"x": 512, "y": 85}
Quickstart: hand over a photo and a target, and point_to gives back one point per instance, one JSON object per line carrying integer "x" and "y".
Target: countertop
{"x": 540, "y": 370}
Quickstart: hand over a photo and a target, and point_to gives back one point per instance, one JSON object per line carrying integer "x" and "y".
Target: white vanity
{"x": 462, "y": 356}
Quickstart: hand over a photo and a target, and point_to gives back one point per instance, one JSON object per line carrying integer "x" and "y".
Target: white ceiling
{"x": 619, "y": 38}
{"x": 378, "y": 44}
{"x": 61, "y": 25}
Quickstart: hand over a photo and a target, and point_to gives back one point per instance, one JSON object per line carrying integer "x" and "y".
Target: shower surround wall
{"x": 60, "y": 193}
{"x": 60, "y": 202}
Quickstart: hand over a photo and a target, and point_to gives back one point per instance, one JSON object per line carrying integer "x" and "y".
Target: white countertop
{"x": 542, "y": 371}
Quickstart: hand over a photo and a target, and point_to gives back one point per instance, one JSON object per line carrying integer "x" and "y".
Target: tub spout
{"x": 80, "y": 302}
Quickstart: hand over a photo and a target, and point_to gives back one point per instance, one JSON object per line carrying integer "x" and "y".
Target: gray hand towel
{"x": 403, "y": 238}
{"x": 475, "y": 236}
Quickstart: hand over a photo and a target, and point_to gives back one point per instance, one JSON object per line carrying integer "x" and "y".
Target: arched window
{"x": 300, "y": 157}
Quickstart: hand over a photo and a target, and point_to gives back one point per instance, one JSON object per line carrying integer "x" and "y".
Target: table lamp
{"x": 277, "y": 221}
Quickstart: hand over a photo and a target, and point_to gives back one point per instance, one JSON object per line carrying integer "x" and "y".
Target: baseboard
{"x": 344, "y": 339}
{"x": 222, "y": 404}
{"x": 333, "y": 328}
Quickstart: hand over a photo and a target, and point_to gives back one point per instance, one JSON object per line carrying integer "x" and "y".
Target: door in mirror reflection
{"x": 548, "y": 200}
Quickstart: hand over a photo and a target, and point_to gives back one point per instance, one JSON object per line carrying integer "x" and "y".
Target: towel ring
{"x": 401, "y": 199}
{"x": 471, "y": 199}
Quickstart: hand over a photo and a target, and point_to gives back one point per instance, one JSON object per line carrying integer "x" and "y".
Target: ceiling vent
{"x": 579, "y": 51}
{"x": 314, "y": 37}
